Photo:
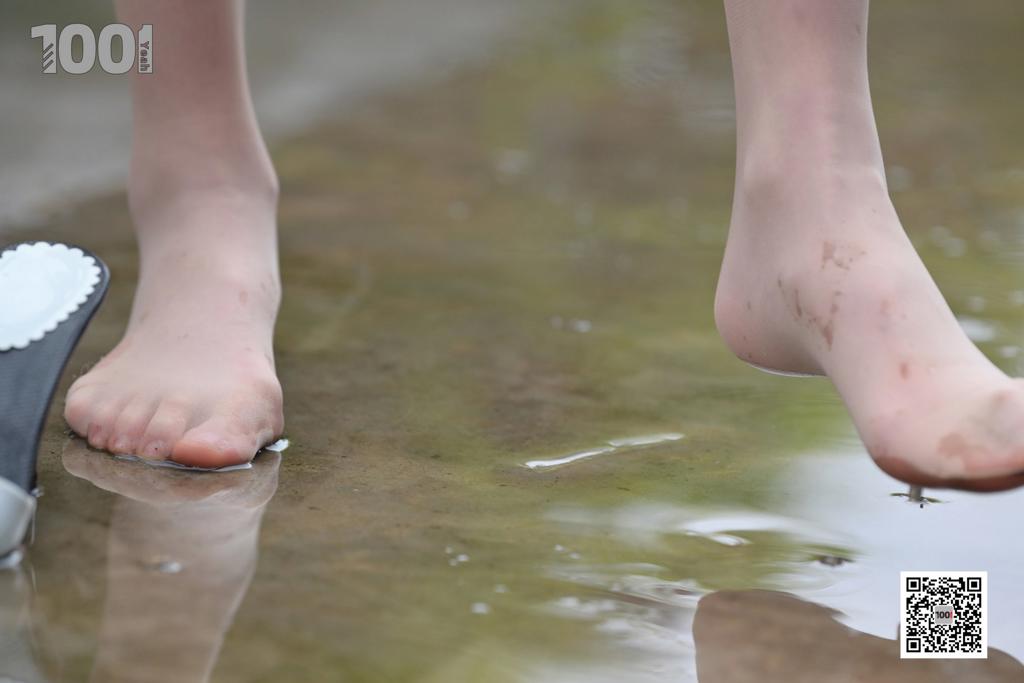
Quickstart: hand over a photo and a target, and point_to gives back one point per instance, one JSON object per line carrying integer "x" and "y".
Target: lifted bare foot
{"x": 819, "y": 278}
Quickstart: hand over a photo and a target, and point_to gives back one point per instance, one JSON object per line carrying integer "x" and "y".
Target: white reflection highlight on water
{"x": 847, "y": 494}
{"x": 611, "y": 447}
{"x": 850, "y": 535}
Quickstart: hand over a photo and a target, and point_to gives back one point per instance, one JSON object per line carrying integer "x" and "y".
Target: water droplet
{"x": 162, "y": 565}
{"x": 832, "y": 560}
{"x": 569, "y": 601}
{"x": 278, "y": 446}
{"x": 727, "y": 539}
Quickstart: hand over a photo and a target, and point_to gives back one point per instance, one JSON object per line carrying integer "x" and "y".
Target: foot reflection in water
{"x": 771, "y": 637}
{"x": 181, "y": 553}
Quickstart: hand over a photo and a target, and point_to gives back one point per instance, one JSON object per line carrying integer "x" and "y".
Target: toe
{"x": 165, "y": 429}
{"x": 79, "y": 409}
{"x": 908, "y": 473}
{"x": 101, "y": 422}
{"x": 216, "y": 443}
{"x": 231, "y": 437}
{"x": 236, "y": 430}
{"x": 130, "y": 426}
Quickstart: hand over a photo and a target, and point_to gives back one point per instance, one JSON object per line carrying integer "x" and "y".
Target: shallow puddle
{"x": 496, "y": 332}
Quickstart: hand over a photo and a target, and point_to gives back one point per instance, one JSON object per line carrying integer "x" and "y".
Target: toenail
{"x": 120, "y": 444}
{"x": 153, "y": 448}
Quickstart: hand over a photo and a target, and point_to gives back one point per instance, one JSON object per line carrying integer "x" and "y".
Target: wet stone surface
{"x": 514, "y": 265}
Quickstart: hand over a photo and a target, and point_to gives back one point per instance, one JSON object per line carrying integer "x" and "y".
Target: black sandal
{"x": 48, "y": 294}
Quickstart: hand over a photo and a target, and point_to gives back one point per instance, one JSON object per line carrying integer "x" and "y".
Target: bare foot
{"x": 819, "y": 278}
{"x": 193, "y": 379}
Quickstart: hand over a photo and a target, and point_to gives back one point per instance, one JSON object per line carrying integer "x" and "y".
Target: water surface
{"x": 515, "y": 266}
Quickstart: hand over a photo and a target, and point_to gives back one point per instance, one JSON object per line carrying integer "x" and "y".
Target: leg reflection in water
{"x": 181, "y": 553}
{"x": 760, "y": 636}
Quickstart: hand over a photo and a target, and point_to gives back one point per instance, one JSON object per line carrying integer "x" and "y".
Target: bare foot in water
{"x": 193, "y": 378}
{"x": 818, "y": 275}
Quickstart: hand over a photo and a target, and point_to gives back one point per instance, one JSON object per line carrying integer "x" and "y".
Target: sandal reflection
{"x": 17, "y": 654}
{"x": 769, "y": 637}
{"x": 181, "y": 552}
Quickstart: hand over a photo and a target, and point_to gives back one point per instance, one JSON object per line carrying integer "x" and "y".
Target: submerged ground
{"x": 494, "y": 272}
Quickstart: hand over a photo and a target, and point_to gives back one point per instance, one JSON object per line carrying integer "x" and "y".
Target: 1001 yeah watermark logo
{"x": 136, "y": 49}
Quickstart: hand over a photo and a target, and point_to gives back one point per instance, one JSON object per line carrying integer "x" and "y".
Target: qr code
{"x": 943, "y": 615}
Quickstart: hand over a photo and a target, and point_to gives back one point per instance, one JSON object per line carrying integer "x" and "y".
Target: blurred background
{"x": 68, "y": 136}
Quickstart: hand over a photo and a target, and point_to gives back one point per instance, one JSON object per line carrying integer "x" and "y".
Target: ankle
{"x": 164, "y": 174}
{"x": 785, "y": 182}
{"x": 156, "y": 189}
{"x": 205, "y": 273}
{"x": 213, "y": 224}
{"x": 815, "y": 138}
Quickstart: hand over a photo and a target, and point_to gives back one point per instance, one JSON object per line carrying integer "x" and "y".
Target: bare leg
{"x": 819, "y": 276}
{"x": 193, "y": 379}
